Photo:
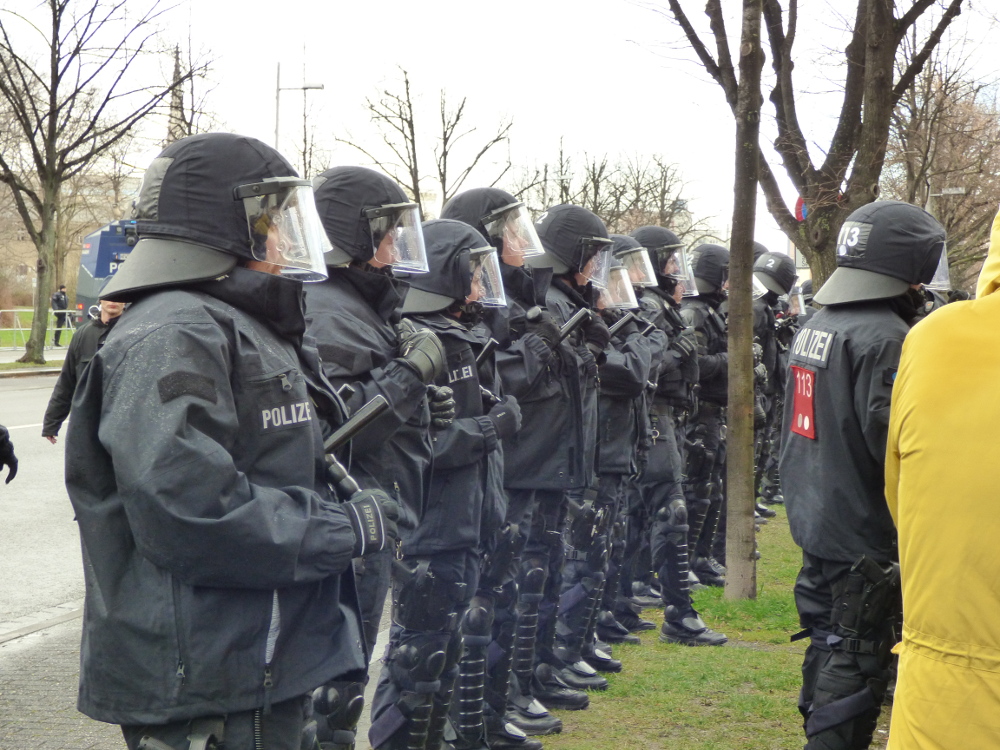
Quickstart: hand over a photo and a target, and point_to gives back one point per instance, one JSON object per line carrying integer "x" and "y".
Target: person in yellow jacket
{"x": 942, "y": 492}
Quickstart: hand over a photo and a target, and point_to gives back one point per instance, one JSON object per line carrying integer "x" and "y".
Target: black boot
{"x": 548, "y": 687}
{"x": 688, "y": 629}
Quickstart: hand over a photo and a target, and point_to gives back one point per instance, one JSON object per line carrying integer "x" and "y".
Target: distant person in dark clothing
{"x": 82, "y": 348}
{"x": 59, "y": 304}
{"x": 7, "y": 457}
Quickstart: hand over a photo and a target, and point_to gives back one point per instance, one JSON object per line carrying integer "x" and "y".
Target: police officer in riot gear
{"x": 706, "y": 452}
{"x": 661, "y": 484}
{"x": 623, "y": 375}
{"x": 438, "y": 572}
{"x": 353, "y": 316}
{"x": 843, "y": 365}
{"x": 775, "y": 272}
{"x": 578, "y": 249}
{"x": 525, "y": 352}
{"x": 219, "y": 586}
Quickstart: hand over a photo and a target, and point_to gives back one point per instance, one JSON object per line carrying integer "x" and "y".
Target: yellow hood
{"x": 989, "y": 276}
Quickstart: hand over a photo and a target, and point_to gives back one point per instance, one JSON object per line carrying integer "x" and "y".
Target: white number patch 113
{"x": 853, "y": 238}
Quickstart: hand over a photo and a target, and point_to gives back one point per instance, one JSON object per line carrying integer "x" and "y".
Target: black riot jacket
{"x": 351, "y": 316}
{"x": 624, "y": 375}
{"x": 84, "y": 344}
{"x": 701, "y": 314}
{"x": 555, "y": 447}
{"x": 453, "y": 511}
{"x": 217, "y": 563}
{"x": 836, "y": 418}
{"x": 676, "y": 373}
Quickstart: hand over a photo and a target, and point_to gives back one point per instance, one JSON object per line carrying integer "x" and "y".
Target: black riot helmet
{"x": 212, "y": 200}
{"x": 575, "y": 241}
{"x": 464, "y": 270}
{"x": 666, "y": 251}
{"x": 776, "y": 271}
{"x": 710, "y": 267}
{"x": 758, "y": 250}
{"x": 882, "y": 249}
{"x": 501, "y": 218}
{"x": 367, "y": 215}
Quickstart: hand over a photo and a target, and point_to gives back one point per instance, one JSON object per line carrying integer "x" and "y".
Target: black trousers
{"x": 842, "y": 687}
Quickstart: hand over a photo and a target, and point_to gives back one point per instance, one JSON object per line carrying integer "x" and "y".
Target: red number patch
{"x": 803, "y": 414}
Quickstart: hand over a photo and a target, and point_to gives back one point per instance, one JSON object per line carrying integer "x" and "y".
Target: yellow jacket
{"x": 942, "y": 484}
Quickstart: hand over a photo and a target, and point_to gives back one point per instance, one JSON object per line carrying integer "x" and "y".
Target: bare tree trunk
{"x": 741, "y": 579}
{"x": 34, "y": 348}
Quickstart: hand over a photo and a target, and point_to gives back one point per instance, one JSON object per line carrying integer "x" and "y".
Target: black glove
{"x": 442, "y": 403}
{"x": 758, "y": 354}
{"x": 540, "y": 323}
{"x": 421, "y": 350}
{"x": 597, "y": 335}
{"x": 373, "y": 515}
{"x": 7, "y": 457}
{"x": 589, "y": 362}
{"x": 506, "y": 417}
{"x": 760, "y": 374}
{"x": 683, "y": 346}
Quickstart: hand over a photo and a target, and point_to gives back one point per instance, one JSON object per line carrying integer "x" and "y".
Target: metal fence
{"x": 15, "y": 328}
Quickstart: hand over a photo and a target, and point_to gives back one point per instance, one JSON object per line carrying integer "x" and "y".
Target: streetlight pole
{"x": 278, "y": 88}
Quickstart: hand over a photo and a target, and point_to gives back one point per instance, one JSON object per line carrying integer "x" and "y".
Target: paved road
{"x": 41, "y": 591}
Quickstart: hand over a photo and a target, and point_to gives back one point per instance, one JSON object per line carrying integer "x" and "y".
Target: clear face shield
{"x": 284, "y": 226}
{"x": 796, "y": 302}
{"x": 397, "y": 237}
{"x": 677, "y": 266}
{"x": 758, "y": 289}
{"x": 942, "y": 276}
{"x": 619, "y": 293}
{"x": 486, "y": 284}
{"x": 511, "y": 225}
{"x": 638, "y": 266}
{"x": 597, "y": 251}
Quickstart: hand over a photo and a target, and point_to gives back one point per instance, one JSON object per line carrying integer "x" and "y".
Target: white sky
{"x": 607, "y": 76}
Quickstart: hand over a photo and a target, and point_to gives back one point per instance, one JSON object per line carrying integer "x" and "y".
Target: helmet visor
{"x": 638, "y": 266}
{"x": 511, "y": 229}
{"x": 397, "y": 238}
{"x": 758, "y": 289}
{"x": 796, "y": 304}
{"x": 284, "y": 226}
{"x": 674, "y": 263}
{"x": 942, "y": 276}
{"x": 619, "y": 293}
{"x": 596, "y": 260}
{"x": 486, "y": 285}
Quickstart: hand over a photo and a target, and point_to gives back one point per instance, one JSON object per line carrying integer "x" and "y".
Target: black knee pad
{"x": 340, "y": 703}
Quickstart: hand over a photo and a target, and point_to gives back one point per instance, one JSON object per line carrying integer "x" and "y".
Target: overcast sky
{"x": 607, "y": 76}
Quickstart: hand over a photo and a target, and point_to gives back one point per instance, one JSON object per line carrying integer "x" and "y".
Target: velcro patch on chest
{"x": 285, "y": 416}
{"x": 812, "y": 346}
{"x": 178, "y": 384}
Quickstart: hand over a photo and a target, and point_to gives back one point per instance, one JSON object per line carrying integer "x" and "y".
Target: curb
{"x": 30, "y": 371}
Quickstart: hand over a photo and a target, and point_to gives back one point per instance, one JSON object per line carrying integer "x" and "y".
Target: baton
{"x": 580, "y": 317}
{"x": 346, "y": 486}
{"x": 622, "y": 322}
{"x": 488, "y": 349}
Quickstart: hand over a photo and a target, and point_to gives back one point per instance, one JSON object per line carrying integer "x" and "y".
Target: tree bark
{"x": 741, "y": 579}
